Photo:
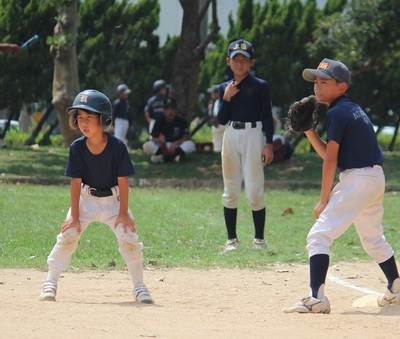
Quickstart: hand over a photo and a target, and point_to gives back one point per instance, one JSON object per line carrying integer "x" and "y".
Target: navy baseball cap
{"x": 241, "y": 47}
{"x": 328, "y": 69}
{"x": 170, "y": 102}
{"x": 213, "y": 89}
{"x": 123, "y": 89}
{"x": 158, "y": 84}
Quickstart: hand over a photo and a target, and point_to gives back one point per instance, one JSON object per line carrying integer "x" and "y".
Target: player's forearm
{"x": 76, "y": 184}
{"x": 223, "y": 113}
{"x": 147, "y": 116}
{"x": 328, "y": 175}
{"x": 123, "y": 184}
{"x": 318, "y": 144}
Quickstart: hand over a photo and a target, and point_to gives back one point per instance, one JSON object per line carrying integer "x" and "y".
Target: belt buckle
{"x": 237, "y": 124}
{"x": 93, "y": 191}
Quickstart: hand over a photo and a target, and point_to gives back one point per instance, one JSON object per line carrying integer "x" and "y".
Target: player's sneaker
{"x": 157, "y": 159}
{"x": 389, "y": 298}
{"x": 259, "y": 244}
{"x": 142, "y": 295}
{"x": 310, "y": 305}
{"x": 231, "y": 245}
{"x": 49, "y": 291}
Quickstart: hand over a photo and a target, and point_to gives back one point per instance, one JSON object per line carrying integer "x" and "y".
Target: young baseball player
{"x": 99, "y": 166}
{"x": 245, "y": 106}
{"x": 352, "y": 148}
{"x": 121, "y": 113}
{"x": 155, "y": 105}
{"x": 170, "y": 136}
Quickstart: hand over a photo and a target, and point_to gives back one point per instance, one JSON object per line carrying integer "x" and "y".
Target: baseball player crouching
{"x": 170, "y": 136}
{"x": 245, "y": 106}
{"x": 99, "y": 166}
{"x": 352, "y": 147}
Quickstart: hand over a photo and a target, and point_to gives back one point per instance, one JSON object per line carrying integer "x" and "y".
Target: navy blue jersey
{"x": 252, "y": 103}
{"x": 155, "y": 106}
{"x": 102, "y": 170}
{"x": 172, "y": 131}
{"x": 350, "y": 127}
{"x": 121, "y": 109}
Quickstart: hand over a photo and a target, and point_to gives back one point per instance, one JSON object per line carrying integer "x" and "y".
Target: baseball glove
{"x": 303, "y": 115}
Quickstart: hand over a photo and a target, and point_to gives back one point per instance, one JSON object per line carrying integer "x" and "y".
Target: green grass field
{"x": 179, "y": 227}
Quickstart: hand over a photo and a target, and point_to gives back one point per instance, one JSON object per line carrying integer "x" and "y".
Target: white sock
{"x": 53, "y": 276}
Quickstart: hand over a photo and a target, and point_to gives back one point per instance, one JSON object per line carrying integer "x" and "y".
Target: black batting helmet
{"x": 93, "y": 101}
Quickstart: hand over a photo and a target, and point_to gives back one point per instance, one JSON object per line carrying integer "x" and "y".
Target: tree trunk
{"x": 65, "y": 79}
{"x": 190, "y": 53}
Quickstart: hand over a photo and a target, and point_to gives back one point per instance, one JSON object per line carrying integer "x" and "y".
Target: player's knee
{"x": 148, "y": 147}
{"x": 128, "y": 242}
{"x": 68, "y": 237}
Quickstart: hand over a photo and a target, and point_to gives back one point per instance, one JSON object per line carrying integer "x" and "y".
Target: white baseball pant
{"x": 241, "y": 159}
{"x": 217, "y": 136}
{"x": 104, "y": 210}
{"x": 150, "y": 147}
{"x": 357, "y": 198}
{"x": 121, "y": 127}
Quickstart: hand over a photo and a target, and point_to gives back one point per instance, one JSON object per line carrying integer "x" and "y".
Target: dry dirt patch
{"x": 213, "y": 303}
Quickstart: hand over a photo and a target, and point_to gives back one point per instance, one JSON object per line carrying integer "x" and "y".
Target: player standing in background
{"x": 121, "y": 113}
{"x": 245, "y": 106}
{"x": 217, "y": 129}
{"x": 352, "y": 147}
{"x": 155, "y": 105}
{"x": 99, "y": 166}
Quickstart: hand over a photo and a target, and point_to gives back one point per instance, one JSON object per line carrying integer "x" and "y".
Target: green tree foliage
{"x": 116, "y": 43}
{"x": 367, "y": 40}
{"x": 27, "y": 77}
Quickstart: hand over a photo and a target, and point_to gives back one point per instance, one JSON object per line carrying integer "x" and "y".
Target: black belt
{"x": 241, "y": 124}
{"x": 100, "y": 193}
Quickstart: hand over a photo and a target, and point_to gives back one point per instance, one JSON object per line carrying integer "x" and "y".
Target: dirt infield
{"x": 215, "y": 303}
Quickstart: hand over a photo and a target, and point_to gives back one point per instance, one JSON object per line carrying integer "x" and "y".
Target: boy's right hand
{"x": 230, "y": 91}
{"x": 71, "y": 222}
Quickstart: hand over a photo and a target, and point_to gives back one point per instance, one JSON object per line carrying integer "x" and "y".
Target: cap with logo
{"x": 123, "y": 89}
{"x": 328, "y": 69}
{"x": 170, "y": 102}
{"x": 241, "y": 47}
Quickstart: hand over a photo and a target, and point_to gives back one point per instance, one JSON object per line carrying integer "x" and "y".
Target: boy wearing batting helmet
{"x": 353, "y": 149}
{"x": 99, "y": 166}
{"x": 245, "y": 107}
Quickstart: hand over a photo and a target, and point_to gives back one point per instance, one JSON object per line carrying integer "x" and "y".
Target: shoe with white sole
{"x": 157, "y": 159}
{"x": 389, "y": 298}
{"x": 259, "y": 244}
{"x": 231, "y": 245}
{"x": 49, "y": 291}
{"x": 310, "y": 305}
{"x": 142, "y": 294}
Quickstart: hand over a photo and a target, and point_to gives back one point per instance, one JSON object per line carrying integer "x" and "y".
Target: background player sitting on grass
{"x": 170, "y": 136}
{"x": 99, "y": 166}
{"x": 352, "y": 147}
{"x": 245, "y": 106}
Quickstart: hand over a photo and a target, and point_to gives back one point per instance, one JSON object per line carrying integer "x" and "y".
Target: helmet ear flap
{"x": 106, "y": 120}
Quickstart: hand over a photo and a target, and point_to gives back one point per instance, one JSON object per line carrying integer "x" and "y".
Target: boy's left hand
{"x": 319, "y": 208}
{"x": 267, "y": 154}
{"x": 126, "y": 221}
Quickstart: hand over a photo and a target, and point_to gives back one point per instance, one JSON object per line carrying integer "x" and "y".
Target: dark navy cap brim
{"x": 310, "y": 74}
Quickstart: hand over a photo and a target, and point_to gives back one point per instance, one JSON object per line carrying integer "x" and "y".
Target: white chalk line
{"x": 339, "y": 281}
